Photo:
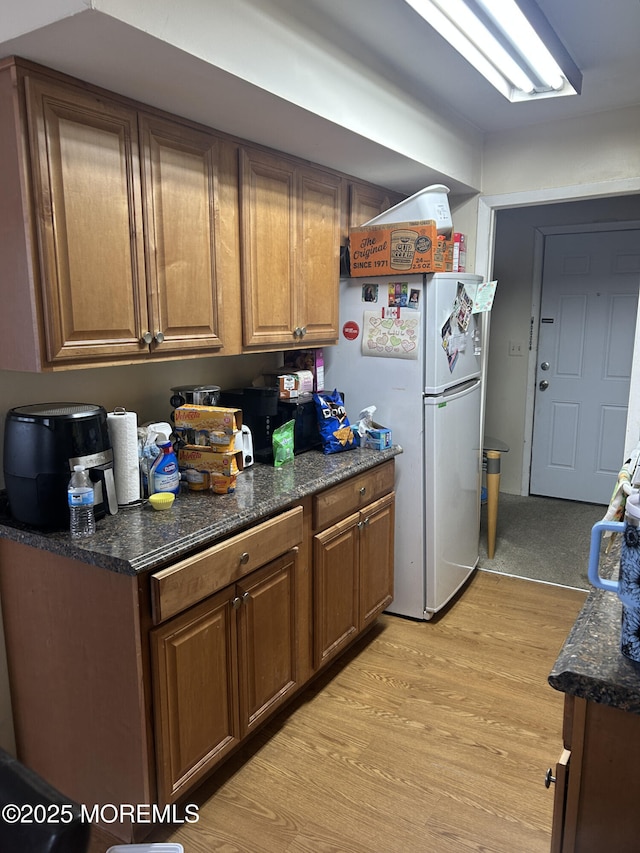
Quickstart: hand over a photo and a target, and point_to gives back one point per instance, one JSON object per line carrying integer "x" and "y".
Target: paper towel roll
{"x": 123, "y": 432}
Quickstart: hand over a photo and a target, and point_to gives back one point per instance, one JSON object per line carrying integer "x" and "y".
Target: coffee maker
{"x": 42, "y": 443}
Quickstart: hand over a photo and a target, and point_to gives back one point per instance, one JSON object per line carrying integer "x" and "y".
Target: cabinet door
{"x": 316, "y": 288}
{"x": 266, "y": 640}
{"x": 268, "y": 225}
{"x": 195, "y": 693}
{"x": 376, "y": 558}
{"x": 179, "y": 201}
{"x": 86, "y": 183}
{"x": 335, "y": 605}
{"x": 366, "y": 201}
{"x": 290, "y": 244}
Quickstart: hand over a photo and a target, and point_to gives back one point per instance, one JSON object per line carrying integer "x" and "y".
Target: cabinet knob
{"x": 297, "y": 332}
{"x": 549, "y": 778}
{"x": 303, "y": 331}
{"x": 147, "y": 338}
{"x": 246, "y": 597}
{"x": 244, "y": 558}
{"x": 363, "y": 491}
{"x": 159, "y": 337}
{"x": 236, "y": 602}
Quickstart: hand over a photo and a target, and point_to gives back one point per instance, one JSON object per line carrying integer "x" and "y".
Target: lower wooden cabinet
{"x": 150, "y": 681}
{"x": 218, "y": 670}
{"x": 353, "y": 565}
{"x": 597, "y": 786}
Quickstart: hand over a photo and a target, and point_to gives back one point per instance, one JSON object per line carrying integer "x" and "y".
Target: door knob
{"x": 545, "y": 365}
{"x": 543, "y": 385}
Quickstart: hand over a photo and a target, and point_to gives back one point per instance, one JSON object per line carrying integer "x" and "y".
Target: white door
{"x": 587, "y": 328}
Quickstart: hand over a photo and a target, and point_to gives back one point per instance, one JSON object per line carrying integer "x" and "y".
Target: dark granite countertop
{"x": 590, "y": 664}
{"x": 139, "y": 538}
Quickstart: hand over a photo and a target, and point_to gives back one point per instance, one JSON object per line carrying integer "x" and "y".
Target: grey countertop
{"x": 590, "y": 664}
{"x": 139, "y": 538}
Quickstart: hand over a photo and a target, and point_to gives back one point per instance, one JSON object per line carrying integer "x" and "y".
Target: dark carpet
{"x": 544, "y": 539}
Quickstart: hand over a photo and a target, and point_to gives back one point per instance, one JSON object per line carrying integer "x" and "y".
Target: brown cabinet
{"x": 219, "y": 669}
{"x": 290, "y": 249}
{"x": 352, "y": 560}
{"x": 596, "y": 780}
{"x": 180, "y": 202}
{"x": 134, "y": 687}
{"x": 118, "y": 238}
{"x": 366, "y": 201}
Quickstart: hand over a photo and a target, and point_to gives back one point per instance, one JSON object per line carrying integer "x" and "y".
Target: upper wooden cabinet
{"x": 128, "y": 234}
{"x": 118, "y": 235}
{"x": 290, "y": 250}
{"x": 180, "y": 197}
{"x": 366, "y": 201}
{"x": 88, "y": 219}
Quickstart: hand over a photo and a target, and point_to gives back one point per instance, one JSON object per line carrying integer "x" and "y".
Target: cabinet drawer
{"x": 339, "y": 501}
{"x": 179, "y": 586}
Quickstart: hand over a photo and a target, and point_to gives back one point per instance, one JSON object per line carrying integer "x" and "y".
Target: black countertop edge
{"x": 590, "y": 664}
{"x": 138, "y": 539}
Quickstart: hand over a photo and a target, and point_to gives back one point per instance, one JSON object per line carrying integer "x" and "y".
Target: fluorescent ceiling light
{"x": 505, "y": 45}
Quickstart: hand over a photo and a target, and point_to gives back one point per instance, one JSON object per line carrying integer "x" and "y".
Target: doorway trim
{"x": 485, "y": 247}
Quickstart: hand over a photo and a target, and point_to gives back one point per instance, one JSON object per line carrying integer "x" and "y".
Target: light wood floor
{"x": 427, "y": 737}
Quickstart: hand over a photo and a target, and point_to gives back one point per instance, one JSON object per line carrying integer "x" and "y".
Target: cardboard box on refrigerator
{"x": 459, "y": 259}
{"x": 402, "y": 248}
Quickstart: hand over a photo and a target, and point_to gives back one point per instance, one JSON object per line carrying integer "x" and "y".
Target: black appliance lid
{"x": 66, "y": 411}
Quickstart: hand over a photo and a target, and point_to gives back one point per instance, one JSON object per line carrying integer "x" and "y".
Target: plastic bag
{"x": 333, "y": 424}
{"x": 282, "y": 440}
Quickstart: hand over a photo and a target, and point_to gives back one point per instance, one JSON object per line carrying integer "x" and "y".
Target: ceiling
{"x": 603, "y": 38}
{"x": 384, "y": 36}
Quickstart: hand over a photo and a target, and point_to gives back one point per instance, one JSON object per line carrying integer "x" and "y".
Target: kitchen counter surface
{"x": 139, "y": 538}
{"x": 590, "y": 664}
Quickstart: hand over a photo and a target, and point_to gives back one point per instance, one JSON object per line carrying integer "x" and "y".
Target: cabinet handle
{"x": 147, "y": 338}
{"x": 366, "y": 522}
{"x": 244, "y": 558}
{"x": 363, "y": 491}
{"x": 360, "y": 525}
{"x": 297, "y": 332}
{"x": 303, "y": 331}
{"x": 236, "y": 602}
{"x": 246, "y": 597}
{"x": 159, "y": 337}
{"x": 549, "y": 778}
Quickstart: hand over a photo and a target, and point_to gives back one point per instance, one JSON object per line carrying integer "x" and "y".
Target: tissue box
{"x": 378, "y": 438}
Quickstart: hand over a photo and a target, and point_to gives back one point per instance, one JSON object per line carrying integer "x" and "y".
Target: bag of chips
{"x": 333, "y": 423}
{"x": 282, "y": 442}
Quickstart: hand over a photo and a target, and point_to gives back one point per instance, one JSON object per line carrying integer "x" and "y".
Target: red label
{"x": 351, "y": 330}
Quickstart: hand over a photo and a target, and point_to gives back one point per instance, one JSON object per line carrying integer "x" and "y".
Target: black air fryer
{"x": 42, "y": 443}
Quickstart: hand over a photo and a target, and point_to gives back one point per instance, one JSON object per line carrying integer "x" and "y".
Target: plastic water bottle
{"x": 80, "y": 496}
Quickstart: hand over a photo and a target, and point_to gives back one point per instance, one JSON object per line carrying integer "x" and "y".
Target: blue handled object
{"x": 594, "y": 554}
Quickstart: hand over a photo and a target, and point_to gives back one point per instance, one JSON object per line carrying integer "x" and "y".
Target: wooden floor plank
{"x": 426, "y": 737}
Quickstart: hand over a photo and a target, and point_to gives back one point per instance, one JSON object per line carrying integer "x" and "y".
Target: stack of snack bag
{"x": 209, "y": 446}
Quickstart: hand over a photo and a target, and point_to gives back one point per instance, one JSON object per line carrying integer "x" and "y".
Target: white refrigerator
{"x": 411, "y": 347}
